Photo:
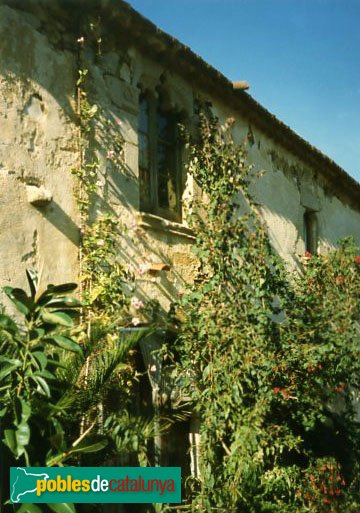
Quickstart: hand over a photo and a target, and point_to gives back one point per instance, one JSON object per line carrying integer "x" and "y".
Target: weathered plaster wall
{"x": 37, "y": 148}
{"x": 149, "y": 240}
{"x": 284, "y": 186}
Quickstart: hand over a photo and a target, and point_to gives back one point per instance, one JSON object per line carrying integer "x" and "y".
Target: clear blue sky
{"x": 301, "y": 58}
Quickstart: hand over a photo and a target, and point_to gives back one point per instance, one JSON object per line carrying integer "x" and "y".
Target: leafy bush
{"x": 53, "y": 388}
{"x": 271, "y": 360}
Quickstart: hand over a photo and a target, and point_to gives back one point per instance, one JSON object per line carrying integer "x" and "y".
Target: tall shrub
{"x": 269, "y": 360}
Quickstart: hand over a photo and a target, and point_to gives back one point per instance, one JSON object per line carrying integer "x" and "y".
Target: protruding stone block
{"x": 38, "y": 196}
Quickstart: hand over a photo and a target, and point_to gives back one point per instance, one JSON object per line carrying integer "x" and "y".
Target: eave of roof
{"x": 130, "y": 27}
{"x": 177, "y": 56}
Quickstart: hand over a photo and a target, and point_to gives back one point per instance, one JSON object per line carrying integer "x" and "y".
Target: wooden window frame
{"x": 149, "y": 197}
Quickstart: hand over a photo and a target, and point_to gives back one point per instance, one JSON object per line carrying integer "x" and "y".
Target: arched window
{"x": 160, "y": 167}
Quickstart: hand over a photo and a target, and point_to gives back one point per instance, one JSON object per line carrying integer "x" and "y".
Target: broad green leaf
{"x": 8, "y": 368}
{"x": 8, "y": 324}
{"x": 22, "y": 435}
{"x": 64, "y": 302}
{"x": 37, "y": 333}
{"x": 40, "y": 358}
{"x": 43, "y": 387}
{"x": 17, "y": 440}
{"x": 29, "y": 508}
{"x": 53, "y": 291}
{"x": 62, "y": 288}
{"x": 93, "y": 444}
{"x": 65, "y": 343}
{"x": 62, "y": 508}
{"x": 55, "y": 363}
{"x": 32, "y": 278}
{"x": 44, "y": 374}
{"x": 13, "y": 361}
{"x": 10, "y": 440}
{"x": 55, "y": 460}
{"x": 22, "y": 411}
{"x": 20, "y": 299}
{"x": 57, "y": 318}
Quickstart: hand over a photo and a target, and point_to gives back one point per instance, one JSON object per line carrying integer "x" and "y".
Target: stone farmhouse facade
{"x": 140, "y": 77}
{"x": 142, "y": 82}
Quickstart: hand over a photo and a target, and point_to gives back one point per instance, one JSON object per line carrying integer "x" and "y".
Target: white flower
{"x": 80, "y": 39}
{"x": 135, "y": 321}
{"x": 143, "y": 268}
{"x": 110, "y": 155}
{"x": 136, "y": 303}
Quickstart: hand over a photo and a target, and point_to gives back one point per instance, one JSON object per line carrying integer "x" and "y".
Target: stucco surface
{"x": 39, "y": 148}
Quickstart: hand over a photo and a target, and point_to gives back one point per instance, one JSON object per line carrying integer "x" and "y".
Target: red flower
{"x": 276, "y": 390}
{"x": 339, "y": 280}
{"x": 357, "y": 259}
{"x": 307, "y": 254}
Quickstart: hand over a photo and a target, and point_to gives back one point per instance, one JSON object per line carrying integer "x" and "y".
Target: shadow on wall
{"x": 47, "y": 56}
{"x": 55, "y": 215}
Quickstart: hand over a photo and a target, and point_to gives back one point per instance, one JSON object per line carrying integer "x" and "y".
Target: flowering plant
{"x": 262, "y": 354}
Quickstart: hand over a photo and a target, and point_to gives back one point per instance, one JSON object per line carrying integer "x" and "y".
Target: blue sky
{"x": 301, "y": 58}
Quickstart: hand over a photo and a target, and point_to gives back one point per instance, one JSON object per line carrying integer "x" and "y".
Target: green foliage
{"x": 31, "y": 356}
{"x": 269, "y": 360}
{"x": 52, "y": 386}
{"x": 106, "y": 283}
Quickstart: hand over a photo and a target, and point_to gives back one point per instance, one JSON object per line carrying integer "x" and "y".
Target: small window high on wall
{"x": 310, "y": 232}
{"x": 160, "y": 169}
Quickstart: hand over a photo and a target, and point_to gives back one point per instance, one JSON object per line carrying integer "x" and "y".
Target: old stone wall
{"x": 39, "y": 148}
{"x": 38, "y": 222}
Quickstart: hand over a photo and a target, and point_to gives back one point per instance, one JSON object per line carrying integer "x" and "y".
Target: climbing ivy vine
{"x": 269, "y": 358}
{"x": 107, "y": 284}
